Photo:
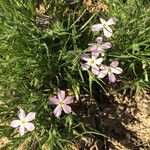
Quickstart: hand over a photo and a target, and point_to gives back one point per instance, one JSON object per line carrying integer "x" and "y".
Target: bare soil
{"x": 125, "y": 120}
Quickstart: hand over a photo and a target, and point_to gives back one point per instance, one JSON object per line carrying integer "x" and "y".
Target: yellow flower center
{"x": 23, "y": 121}
{"x": 109, "y": 69}
{"x": 61, "y": 103}
{"x": 104, "y": 24}
{"x": 102, "y": 54}
{"x": 97, "y": 45}
{"x": 92, "y": 61}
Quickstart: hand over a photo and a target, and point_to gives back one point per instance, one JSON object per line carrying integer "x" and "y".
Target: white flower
{"x": 93, "y": 62}
{"x": 105, "y": 26}
{"x": 24, "y": 122}
{"x": 62, "y": 103}
{"x": 99, "y": 47}
{"x": 110, "y": 70}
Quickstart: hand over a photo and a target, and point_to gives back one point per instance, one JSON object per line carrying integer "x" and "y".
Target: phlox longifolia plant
{"x": 98, "y": 49}
{"x": 93, "y": 61}
{"x": 36, "y": 62}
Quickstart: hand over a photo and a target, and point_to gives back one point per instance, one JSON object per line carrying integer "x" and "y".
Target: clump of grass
{"x": 131, "y": 42}
{"x": 34, "y": 64}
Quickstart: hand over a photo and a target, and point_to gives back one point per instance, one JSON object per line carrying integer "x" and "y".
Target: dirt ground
{"x": 129, "y": 126}
{"x": 125, "y": 120}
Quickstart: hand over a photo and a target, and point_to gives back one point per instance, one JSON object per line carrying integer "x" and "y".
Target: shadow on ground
{"x": 111, "y": 114}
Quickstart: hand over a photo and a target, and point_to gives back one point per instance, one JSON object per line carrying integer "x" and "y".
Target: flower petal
{"x": 15, "y": 123}
{"x": 98, "y": 61}
{"x": 85, "y": 57}
{"x": 94, "y": 57}
{"x": 97, "y": 27}
{"x": 57, "y": 111}
{"x": 106, "y": 45}
{"x": 30, "y": 126}
{"x": 95, "y": 69}
{"x": 111, "y": 21}
{"x": 61, "y": 95}
{"x": 21, "y": 114}
{"x": 111, "y": 77}
{"x": 102, "y": 21}
{"x": 100, "y": 50}
{"x": 54, "y": 100}
{"x": 68, "y": 100}
{"x": 93, "y": 47}
{"x": 67, "y": 109}
{"x": 114, "y": 63}
{"x": 85, "y": 66}
{"x": 30, "y": 116}
{"x": 107, "y": 31}
{"x": 99, "y": 40}
{"x": 102, "y": 74}
{"x": 116, "y": 70}
{"x": 103, "y": 67}
{"x": 21, "y": 130}
{"x": 96, "y": 53}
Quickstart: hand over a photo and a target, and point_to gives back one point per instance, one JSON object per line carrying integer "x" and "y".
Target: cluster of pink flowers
{"x": 95, "y": 59}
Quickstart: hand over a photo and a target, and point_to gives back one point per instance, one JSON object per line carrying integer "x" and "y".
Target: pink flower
{"x": 111, "y": 70}
{"x": 62, "y": 103}
{"x": 98, "y": 48}
{"x": 24, "y": 122}
{"x": 105, "y": 26}
{"x": 93, "y": 62}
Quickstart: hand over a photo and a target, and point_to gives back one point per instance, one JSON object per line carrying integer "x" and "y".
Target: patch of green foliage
{"x": 131, "y": 42}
